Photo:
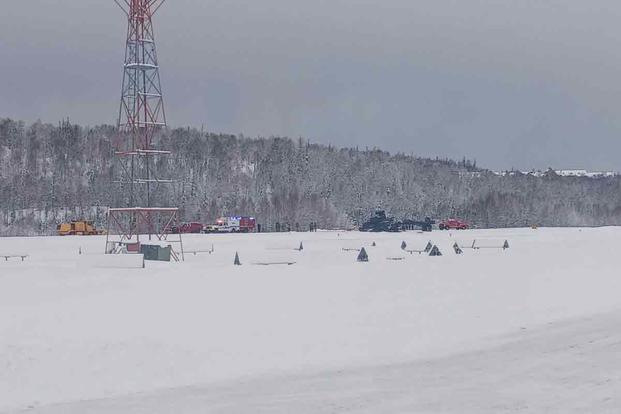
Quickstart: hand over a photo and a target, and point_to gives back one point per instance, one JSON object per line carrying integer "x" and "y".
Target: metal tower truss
{"x": 141, "y": 117}
{"x": 141, "y": 112}
{"x": 126, "y": 226}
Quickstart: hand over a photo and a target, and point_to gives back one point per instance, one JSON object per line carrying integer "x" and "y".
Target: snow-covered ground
{"x": 533, "y": 328}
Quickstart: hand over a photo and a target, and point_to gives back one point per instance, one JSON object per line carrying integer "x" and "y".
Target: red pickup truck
{"x": 453, "y": 224}
{"x": 193, "y": 227}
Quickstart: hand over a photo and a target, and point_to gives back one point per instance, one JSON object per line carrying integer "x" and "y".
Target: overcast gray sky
{"x": 512, "y": 83}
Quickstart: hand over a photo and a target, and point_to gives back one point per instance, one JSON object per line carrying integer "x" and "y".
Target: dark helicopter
{"x": 380, "y": 222}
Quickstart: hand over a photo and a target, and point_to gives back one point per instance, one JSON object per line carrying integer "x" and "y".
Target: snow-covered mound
{"x": 86, "y": 338}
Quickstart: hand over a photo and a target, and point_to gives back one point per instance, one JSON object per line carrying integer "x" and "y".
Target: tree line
{"x": 51, "y": 173}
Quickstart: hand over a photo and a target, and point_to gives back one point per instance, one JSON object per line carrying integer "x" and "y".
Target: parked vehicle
{"x": 211, "y": 228}
{"x": 193, "y": 227}
{"x": 77, "y": 228}
{"x": 246, "y": 224}
{"x": 236, "y": 224}
{"x": 453, "y": 224}
{"x": 222, "y": 226}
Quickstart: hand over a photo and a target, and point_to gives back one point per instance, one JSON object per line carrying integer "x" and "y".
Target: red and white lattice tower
{"x": 141, "y": 116}
{"x": 141, "y": 113}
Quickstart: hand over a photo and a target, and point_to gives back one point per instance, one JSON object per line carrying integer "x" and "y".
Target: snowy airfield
{"x": 531, "y": 329}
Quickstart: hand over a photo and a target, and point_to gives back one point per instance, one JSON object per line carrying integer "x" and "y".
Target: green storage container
{"x": 155, "y": 252}
{"x": 163, "y": 253}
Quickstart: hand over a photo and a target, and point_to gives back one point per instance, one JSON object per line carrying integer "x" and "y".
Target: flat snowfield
{"x": 534, "y": 328}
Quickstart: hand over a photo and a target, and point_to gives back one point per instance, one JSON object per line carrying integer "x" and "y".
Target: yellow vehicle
{"x": 77, "y": 228}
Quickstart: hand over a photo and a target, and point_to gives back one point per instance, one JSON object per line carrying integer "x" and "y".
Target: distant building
{"x": 572, "y": 173}
{"x": 585, "y": 173}
{"x": 600, "y": 174}
{"x": 560, "y": 173}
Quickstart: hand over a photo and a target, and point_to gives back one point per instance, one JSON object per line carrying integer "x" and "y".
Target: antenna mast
{"x": 141, "y": 116}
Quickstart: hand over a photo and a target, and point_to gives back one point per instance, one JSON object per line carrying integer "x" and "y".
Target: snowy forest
{"x": 53, "y": 173}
